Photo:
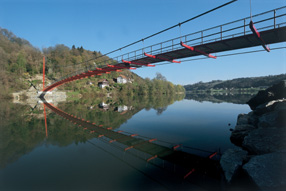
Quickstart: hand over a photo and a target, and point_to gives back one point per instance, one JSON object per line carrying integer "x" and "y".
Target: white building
{"x": 122, "y": 79}
{"x": 122, "y": 108}
{"x": 103, "y": 84}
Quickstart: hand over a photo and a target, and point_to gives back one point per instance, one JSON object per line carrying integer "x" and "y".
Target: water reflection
{"x": 187, "y": 163}
{"x": 24, "y": 127}
{"x": 220, "y": 98}
{"x": 98, "y": 122}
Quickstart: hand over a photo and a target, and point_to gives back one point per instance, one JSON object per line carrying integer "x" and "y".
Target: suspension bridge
{"x": 258, "y": 30}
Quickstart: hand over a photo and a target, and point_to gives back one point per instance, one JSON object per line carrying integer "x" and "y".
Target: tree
{"x": 21, "y": 63}
{"x": 159, "y": 76}
{"x": 80, "y": 49}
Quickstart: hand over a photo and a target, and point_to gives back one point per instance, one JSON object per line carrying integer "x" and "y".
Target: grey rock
{"x": 270, "y": 106}
{"x": 252, "y": 118}
{"x": 281, "y": 104}
{"x": 277, "y": 91}
{"x": 231, "y": 161}
{"x": 249, "y": 118}
{"x": 265, "y": 140}
{"x": 271, "y": 119}
{"x": 268, "y": 171}
{"x": 240, "y": 132}
{"x": 242, "y": 119}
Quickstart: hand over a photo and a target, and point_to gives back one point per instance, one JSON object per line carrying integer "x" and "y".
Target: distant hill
{"x": 236, "y": 84}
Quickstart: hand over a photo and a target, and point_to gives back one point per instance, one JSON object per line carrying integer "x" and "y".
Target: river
{"x": 143, "y": 143}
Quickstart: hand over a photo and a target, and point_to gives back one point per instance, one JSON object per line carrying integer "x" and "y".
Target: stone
{"x": 272, "y": 114}
{"x": 249, "y": 118}
{"x": 270, "y": 106}
{"x": 272, "y": 119}
{"x": 268, "y": 171}
{"x": 265, "y": 140}
{"x": 277, "y": 91}
{"x": 240, "y": 132}
{"x": 242, "y": 119}
{"x": 231, "y": 161}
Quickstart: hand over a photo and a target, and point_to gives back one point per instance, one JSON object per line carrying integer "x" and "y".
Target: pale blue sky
{"x": 105, "y": 25}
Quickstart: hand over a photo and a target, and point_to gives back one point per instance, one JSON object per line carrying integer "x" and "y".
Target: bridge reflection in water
{"x": 185, "y": 165}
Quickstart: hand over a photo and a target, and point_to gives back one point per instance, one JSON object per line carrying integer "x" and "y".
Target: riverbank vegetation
{"x": 136, "y": 86}
{"x": 20, "y": 62}
{"x": 249, "y": 85}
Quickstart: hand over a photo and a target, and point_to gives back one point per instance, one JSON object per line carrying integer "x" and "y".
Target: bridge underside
{"x": 245, "y": 41}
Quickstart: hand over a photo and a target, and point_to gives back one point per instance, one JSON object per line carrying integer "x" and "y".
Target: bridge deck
{"x": 246, "y": 41}
{"x": 230, "y": 36}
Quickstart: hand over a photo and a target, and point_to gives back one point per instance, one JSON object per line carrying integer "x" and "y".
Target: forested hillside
{"x": 18, "y": 58}
{"x": 20, "y": 61}
{"x": 236, "y": 84}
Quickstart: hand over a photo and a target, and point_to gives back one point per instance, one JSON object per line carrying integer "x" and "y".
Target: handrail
{"x": 174, "y": 44}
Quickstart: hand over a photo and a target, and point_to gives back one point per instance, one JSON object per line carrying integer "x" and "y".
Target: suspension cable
{"x": 152, "y": 35}
{"x": 180, "y": 32}
{"x": 250, "y": 10}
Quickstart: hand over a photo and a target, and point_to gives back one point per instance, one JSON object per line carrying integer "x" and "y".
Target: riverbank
{"x": 260, "y": 136}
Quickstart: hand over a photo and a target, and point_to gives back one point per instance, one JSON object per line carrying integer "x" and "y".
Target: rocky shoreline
{"x": 31, "y": 95}
{"x": 260, "y": 137}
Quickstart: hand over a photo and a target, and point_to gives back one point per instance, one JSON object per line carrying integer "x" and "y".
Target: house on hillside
{"x": 103, "y": 106}
{"x": 103, "y": 83}
{"x": 89, "y": 83}
{"x": 121, "y": 108}
{"x": 121, "y": 79}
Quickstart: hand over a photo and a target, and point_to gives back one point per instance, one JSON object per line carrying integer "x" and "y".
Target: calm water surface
{"x": 65, "y": 156}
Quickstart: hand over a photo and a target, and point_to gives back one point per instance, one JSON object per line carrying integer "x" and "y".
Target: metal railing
{"x": 264, "y": 21}
{"x": 272, "y": 19}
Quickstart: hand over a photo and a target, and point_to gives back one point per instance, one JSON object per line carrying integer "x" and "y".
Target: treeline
{"x": 62, "y": 60}
{"x": 19, "y": 61}
{"x": 60, "y": 56}
{"x": 158, "y": 85}
{"x": 136, "y": 86}
{"x": 239, "y": 83}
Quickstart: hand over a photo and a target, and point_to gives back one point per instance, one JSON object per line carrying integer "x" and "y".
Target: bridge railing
{"x": 264, "y": 21}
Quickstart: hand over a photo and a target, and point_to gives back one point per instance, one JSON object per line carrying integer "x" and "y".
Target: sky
{"x": 106, "y": 25}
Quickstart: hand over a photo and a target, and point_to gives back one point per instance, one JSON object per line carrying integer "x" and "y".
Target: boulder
{"x": 272, "y": 119}
{"x": 265, "y": 140}
{"x": 277, "y": 91}
{"x": 242, "y": 119}
{"x": 239, "y": 133}
{"x": 268, "y": 171}
{"x": 279, "y": 104}
{"x": 249, "y": 118}
{"x": 231, "y": 161}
